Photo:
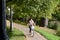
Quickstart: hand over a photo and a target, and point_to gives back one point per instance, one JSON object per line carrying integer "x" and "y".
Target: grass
{"x": 47, "y": 35}
{"x": 15, "y": 35}
{"x": 49, "y": 30}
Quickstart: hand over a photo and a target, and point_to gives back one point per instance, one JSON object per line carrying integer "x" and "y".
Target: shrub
{"x": 55, "y": 25}
{"x": 52, "y": 25}
{"x": 58, "y": 30}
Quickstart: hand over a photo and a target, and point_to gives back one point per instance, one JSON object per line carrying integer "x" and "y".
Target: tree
{"x": 34, "y": 8}
{"x": 57, "y": 13}
{"x": 10, "y": 6}
{"x": 3, "y": 34}
{"x": 44, "y": 8}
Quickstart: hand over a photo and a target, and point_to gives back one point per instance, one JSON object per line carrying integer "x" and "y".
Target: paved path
{"x": 37, "y": 36}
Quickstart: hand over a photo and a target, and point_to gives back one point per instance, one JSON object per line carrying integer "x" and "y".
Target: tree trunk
{"x": 46, "y": 22}
{"x": 42, "y": 22}
{"x": 3, "y": 34}
{"x": 10, "y": 18}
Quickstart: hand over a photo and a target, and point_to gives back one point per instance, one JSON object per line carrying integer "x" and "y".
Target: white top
{"x": 31, "y": 22}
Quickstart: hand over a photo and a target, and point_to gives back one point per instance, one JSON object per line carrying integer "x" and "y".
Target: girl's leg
{"x": 32, "y": 32}
{"x": 29, "y": 29}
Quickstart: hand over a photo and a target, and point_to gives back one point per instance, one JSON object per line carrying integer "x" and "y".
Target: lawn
{"x": 46, "y": 34}
{"x": 16, "y": 35}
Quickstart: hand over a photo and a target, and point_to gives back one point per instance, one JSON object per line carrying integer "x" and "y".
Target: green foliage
{"x": 58, "y": 30}
{"x": 52, "y": 25}
{"x": 57, "y": 12}
{"x": 44, "y": 8}
{"x": 33, "y": 8}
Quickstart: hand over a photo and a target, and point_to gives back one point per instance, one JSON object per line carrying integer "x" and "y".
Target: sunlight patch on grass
{"x": 16, "y": 35}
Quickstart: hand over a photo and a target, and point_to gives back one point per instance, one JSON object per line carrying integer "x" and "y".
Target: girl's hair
{"x": 29, "y": 19}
